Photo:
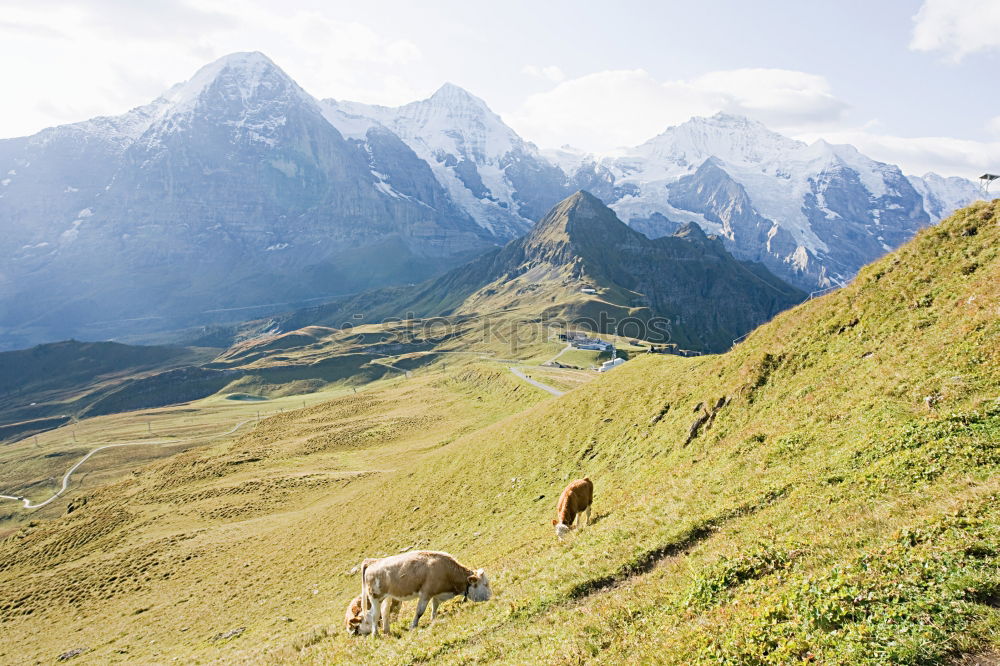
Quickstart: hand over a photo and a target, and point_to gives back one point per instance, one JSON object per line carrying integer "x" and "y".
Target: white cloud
{"x": 917, "y": 155}
{"x": 550, "y": 73}
{"x": 603, "y": 110}
{"x": 993, "y": 125}
{"x": 781, "y": 98}
{"x": 957, "y": 28}
{"x": 104, "y": 57}
{"x": 608, "y": 109}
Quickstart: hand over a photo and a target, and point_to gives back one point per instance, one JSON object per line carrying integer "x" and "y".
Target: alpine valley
{"x": 309, "y": 332}
{"x": 236, "y": 194}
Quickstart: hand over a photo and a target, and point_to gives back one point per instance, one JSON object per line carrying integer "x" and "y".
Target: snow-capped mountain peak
{"x": 734, "y": 139}
{"x": 451, "y": 95}
{"x": 245, "y": 91}
{"x": 485, "y": 167}
{"x": 456, "y": 122}
{"x": 813, "y": 213}
{"x": 944, "y": 195}
{"x": 568, "y": 158}
{"x": 235, "y": 85}
{"x": 238, "y": 77}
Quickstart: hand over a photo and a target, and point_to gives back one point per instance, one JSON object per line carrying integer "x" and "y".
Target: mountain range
{"x": 237, "y": 194}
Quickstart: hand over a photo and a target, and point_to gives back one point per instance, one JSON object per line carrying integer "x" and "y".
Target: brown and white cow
{"x": 427, "y": 576}
{"x": 574, "y": 501}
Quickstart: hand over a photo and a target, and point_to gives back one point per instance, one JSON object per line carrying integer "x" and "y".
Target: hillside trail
{"x": 545, "y": 387}
{"x": 28, "y": 504}
{"x": 561, "y": 352}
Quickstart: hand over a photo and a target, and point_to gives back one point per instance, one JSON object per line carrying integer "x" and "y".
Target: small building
{"x": 669, "y": 348}
{"x": 610, "y": 364}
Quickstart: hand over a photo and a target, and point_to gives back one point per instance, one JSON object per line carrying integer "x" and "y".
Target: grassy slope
{"x": 827, "y": 511}
{"x": 34, "y": 467}
{"x": 859, "y": 525}
{"x": 64, "y": 378}
{"x": 213, "y": 538}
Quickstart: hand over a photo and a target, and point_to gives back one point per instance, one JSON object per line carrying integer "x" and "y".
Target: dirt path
{"x": 28, "y": 504}
{"x": 545, "y": 387}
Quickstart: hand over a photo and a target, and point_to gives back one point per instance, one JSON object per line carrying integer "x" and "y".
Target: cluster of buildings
{"x": 583, "y": 341}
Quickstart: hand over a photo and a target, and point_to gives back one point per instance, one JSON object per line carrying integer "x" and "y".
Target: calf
{"x": 354, "y": 617}
{"x": 424, "y": 575}
{"x": 573, "y": 502}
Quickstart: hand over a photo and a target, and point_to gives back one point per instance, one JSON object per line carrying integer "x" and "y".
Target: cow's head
{"x": 479, "y": 586}
{"x": 362, "y": 627}
{"x": 354, "y": 626}
{"x": 354, "y": 619}
{"x": 562, "y": 529}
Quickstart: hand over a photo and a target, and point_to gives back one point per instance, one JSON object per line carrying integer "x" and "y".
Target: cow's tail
{"x": 364, "y": 588}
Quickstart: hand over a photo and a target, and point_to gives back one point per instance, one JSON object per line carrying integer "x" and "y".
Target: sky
{"x": 911, "y": 82}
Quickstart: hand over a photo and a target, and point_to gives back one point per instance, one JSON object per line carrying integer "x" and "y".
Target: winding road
{"x": 545, "y": 387}
{"x": 28, "y": 504}
{"x": 562, "y": 351}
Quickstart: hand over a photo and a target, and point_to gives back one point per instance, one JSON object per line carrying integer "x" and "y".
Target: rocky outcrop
{"x": 685, "y": 288}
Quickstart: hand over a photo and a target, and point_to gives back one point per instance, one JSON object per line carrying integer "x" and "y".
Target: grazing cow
{"x": 573, "y": 502}
{"x": 354, "y": 617}
{"x": 424, "y": 575}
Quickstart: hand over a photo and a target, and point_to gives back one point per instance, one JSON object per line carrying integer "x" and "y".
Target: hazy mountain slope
{"x": 684, "y": 288}
{"x": 814, "y": 214}
{"x": 236, "y": 194}
{"x": 226, "y": 196}
{"x": 63, "y": 378}
{"x": 824, "y": 510}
